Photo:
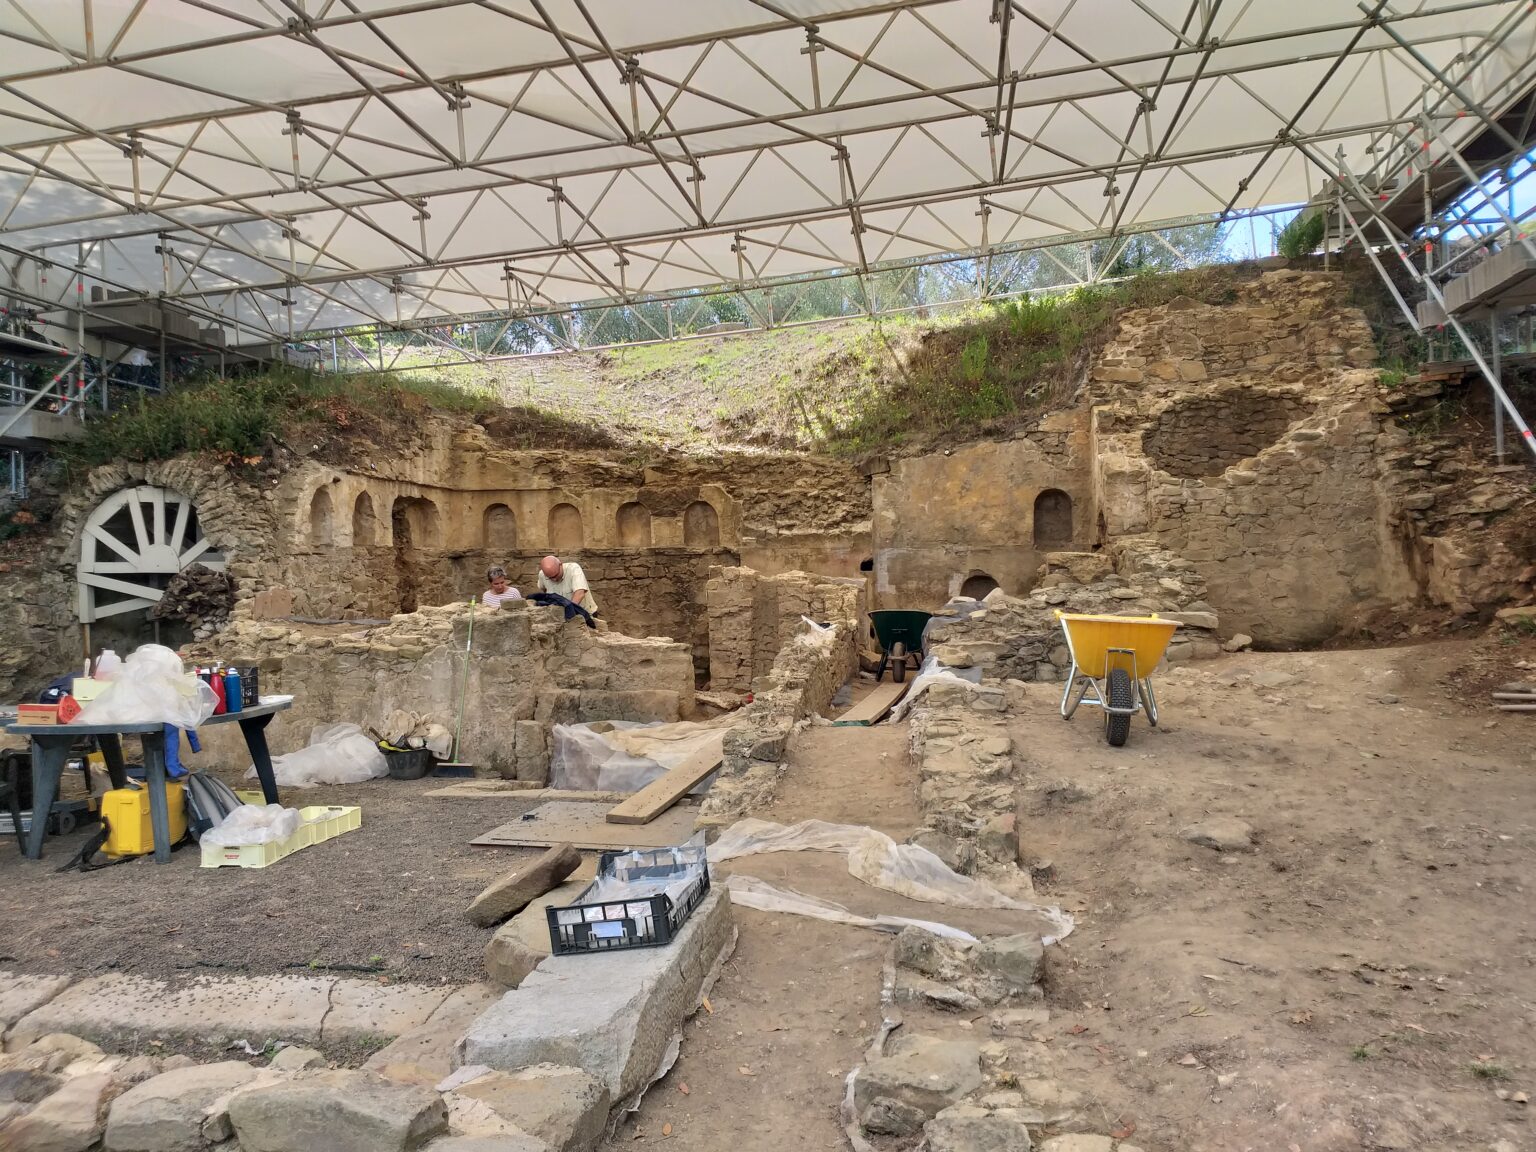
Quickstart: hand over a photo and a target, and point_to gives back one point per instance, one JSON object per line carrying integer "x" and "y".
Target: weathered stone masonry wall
{"x": 752, "y": 617}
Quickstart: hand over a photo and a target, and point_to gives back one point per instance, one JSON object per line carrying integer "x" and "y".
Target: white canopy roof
{"x": 323, "y": 163}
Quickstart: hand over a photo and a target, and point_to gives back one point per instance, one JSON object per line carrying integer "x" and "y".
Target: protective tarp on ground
{"x": 623, "y": 756}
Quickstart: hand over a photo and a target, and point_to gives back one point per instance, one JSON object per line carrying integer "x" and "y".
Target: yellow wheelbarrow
{"x": 1112, "y": 662}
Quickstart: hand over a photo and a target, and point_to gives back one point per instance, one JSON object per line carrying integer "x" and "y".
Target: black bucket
{"x": 411, "y": 764}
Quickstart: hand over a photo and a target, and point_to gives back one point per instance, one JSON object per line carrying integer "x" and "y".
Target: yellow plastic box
{"x": 126, "y": 811}
{"x": 317, "y": 823}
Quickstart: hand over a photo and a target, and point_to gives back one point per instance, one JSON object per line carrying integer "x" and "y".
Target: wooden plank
{"x": 874, "y": 706}
{"x": 586, "y": 826}
{"x": 665, "y": 791}
{"x": 489, "y": 790}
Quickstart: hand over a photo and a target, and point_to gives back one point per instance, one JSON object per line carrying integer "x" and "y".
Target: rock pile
{"x": 1020, "y": 638}
{"x": 64, "y": 1094}
{"x": 200, "y": 596}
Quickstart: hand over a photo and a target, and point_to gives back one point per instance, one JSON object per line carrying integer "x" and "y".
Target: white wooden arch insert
{"x": 135, "y": 541}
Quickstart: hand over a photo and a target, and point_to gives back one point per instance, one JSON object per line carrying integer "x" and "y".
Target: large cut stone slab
{"x": 253, "y": 1008}
{"x": 71, "y": 1120}
{"x": 20, "y": 994}
{"x": 564, "y": 1107}
{"x": 424, "y": 1055}
{"x": 612, "y": 1014}
{"x": 361, "y": 1009}
{"x": 923, "y": 1073}
{"x": 513, "y": 891}
{"x": 341, "y": 1111}
{"x": 518, "y": 946}
{"x": 507, "y": 1143}
{"x": 966, "y": 1128}
{"x": 168, "y": 1113}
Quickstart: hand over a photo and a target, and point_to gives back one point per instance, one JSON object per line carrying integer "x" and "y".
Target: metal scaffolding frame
{"x": 287, "y": 167}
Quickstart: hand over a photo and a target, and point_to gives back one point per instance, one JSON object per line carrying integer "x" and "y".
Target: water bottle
{"x": 232, "y": 697}
{"x": 108, "y": 664}
{"x": 216, "y": 682}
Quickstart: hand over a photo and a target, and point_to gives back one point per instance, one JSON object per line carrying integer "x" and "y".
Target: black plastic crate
{"x": 613, "y": 925}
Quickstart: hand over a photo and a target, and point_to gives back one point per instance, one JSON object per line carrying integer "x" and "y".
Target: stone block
{"x": 513, "y": 891}
{"x": 967, "y": 1128}
{"x": 532, "y": 752}
{"x": 958, "y": 855}
{"x": 295, "y": 1058}
{"x": 71, "y": 1120}
{"x": 564, "y": 1107}
{"x": 339, "y": 1111}
{"x": 168, "y": 1113}
{"x": 1221, "y": 833}
{"x": 272, "y": 604}
{"x": 424, "y": 1055}
{"x": 613, "y": 1015}
{"x": 508, "y": 960}
{"x": 21, "y": 994}
{"x": 922, "y": 1073}
{"x": 1013, "y": 959}
{"x": 362, "y": 1009}
{"x": 999, "y": 839}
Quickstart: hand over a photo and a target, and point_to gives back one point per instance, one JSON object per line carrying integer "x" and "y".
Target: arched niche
{"x": 977, "y": 585}
{"x": 322, "y": 519}
{"x": 565, "y": 528}
{"x": 634, "y": 525}
{"x": 365, "y": 523}
{"x": 1053, "y": 519}
{"x": 498, "y": 528}
{"x": 701, "y": 525}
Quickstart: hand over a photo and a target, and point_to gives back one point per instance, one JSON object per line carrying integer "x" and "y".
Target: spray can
{"x": 232, "y": 690}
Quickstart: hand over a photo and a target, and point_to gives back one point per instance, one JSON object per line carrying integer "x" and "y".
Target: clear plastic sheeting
{"x": 874, "y": 858}
{"x": 253, "y": 824}
{"x": 622, "y": 756}
{"x": 750, "y": 892}
{"x": 336, "y": 754}
{"x": 151, "y": 687}
{"x": 931, "y": 673}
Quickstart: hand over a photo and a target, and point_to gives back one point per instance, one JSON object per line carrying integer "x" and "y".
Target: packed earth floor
{"x": 1353, "y": 971}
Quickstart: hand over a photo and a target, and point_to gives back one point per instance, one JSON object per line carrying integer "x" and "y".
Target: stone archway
{"x": 634, "y": 525}
{"x": 414, "y": 524}
{"x": 701, "y": 525}
{"x": 1053, "y": 519}
{"x": 365, "y": 524}
{"x": 977, "y": 585}
{"x": 565, "y": 532}
{"x": 499, "y": 529}
{"x": 322, "y": 519}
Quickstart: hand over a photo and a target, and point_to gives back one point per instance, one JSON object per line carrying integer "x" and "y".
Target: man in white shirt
{"x": 500, "y": 591}
{"x": 566, "y": 580}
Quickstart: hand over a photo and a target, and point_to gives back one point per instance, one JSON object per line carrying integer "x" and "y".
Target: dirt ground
{"x": 1362, "y": 980}
{"x": 388, "y": 898}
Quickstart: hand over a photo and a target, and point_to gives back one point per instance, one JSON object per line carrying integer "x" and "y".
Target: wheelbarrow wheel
{"x": 898, "y": 662}
{"x": 1117, "y": 726}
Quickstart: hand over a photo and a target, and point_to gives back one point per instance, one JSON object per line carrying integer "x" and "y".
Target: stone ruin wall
{"x": 530, "y": 669}
{"x": 753, "y": 616}
{"x": 1243, "y": 438}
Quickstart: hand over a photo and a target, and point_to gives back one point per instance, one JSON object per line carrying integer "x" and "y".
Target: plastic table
{"x": 50, "y": 751}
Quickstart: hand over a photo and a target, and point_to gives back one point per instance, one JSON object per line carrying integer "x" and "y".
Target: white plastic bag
{"x": 873, "y": 857}
{"x": 337, "y": 754}
{"x": 750, "y": 892}
{"x": 253, "y": 824}
{"x": 152, "y": 687}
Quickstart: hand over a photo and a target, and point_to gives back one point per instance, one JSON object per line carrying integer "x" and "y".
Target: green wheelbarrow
{"x": 899, "y": 634}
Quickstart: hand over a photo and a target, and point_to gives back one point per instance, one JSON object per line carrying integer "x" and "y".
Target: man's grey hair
{"x": 495, "y": 572}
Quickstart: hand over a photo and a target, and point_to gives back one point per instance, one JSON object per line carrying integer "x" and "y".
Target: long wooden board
{"x": 874, "y": 706}
{"x": 584, "y": 826}
{"x": 665, "y": 791}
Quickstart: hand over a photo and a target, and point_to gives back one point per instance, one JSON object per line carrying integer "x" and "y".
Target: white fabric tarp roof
{"x": 323, "y": 163}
